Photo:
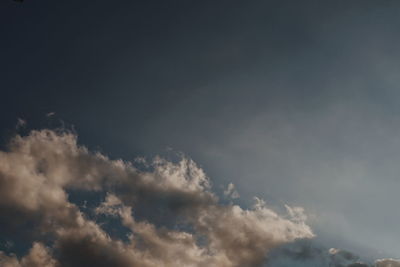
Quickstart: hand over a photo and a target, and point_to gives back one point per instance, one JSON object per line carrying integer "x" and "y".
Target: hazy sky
{"x": 296, "y": 102}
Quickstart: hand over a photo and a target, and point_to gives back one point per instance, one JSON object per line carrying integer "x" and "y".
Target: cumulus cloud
{"x": 38, "y": 256}
{"x": 169, "y": 212}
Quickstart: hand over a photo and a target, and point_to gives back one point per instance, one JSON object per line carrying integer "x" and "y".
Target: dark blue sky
{"x": 294, "y": 101}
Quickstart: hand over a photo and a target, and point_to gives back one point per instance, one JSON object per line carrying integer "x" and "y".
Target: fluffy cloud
{"x": 171, "y": 216}
{"x": 38, "y": 256}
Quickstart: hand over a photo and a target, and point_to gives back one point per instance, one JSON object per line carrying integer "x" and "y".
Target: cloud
{"x": 21, "y": 123}
{"x": 169, "y": 212}
{"x": 231, "y": 192}
{"x": 38, "y": 256}
{"x": 387, "y": 263}
{"x": 305, "y": 253}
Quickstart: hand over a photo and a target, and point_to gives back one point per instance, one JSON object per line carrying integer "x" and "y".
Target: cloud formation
{"x": 305, "y": 253}
{"x": 38, "y": 256}
{"x": 387, "y": 263}
{"x": 170, "y": 214}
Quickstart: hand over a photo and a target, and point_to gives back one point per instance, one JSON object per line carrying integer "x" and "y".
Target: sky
{"x": 293, "y": 102}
